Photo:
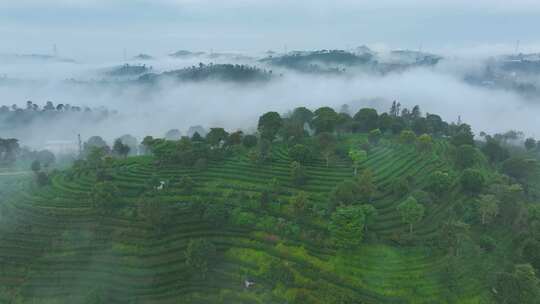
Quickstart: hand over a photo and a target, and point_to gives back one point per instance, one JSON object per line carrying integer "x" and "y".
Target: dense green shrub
{"x": 440, "y": 182}
{"x": 466, "y": 156}
{"x": 347, "y": 226}
{"x": 300, "y": 153}
{"x": 472, "y": 181}
{"x": 243, "y": 218}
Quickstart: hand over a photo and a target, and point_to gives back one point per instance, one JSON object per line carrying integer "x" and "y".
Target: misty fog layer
{"x": 152, "y": 110}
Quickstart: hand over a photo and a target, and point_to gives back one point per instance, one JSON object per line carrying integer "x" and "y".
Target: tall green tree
{"x": 131, "y": 142}
{"x": 358, "y": 157}
{"x": 300, "y": 153}
{"x": 366, "y": 119}
{"x": 463, "y": 135}
{"x": 95, "y": 142}
{"x": 440, "y": 182}
{"x": 95, "y": 158}
{"x": 385, "y": 122}
{"x": 9, "y": 147}
{"x": 531, "y": 253}
{"x": 436, "y": 125}
{"x": 235, "y": 138}
{"x": 420, "y": 126}
{"x": 519, "y": 168}
{"x": 370, "y": 213}
{"x": 366, "y": 185}
{"x": 347, "y": 226}
{"x": 345, "y": 193}
{"x": 411, "y": 212}
{"x": 472, "y": 181}
{"x": 466, "y": 156}
{"x": 416, "y": 113}
{"x": 196, "y": 137}
{"x": 146, "y": 145}
{"x": 453, "y": 235}
{"x": 120, "y": 149}
{"x": 292, "y": 131}
{"x": 494, "y": 151}
{"x": 216, "y": 136}
{"x": 269, "y": 125}
{"x": 327, "y": 145}
{"x": 302, "y": 116}
{"x": 488, "y": 208}
{"x": 325, "y": 120}
{"x": 518, "y": 287}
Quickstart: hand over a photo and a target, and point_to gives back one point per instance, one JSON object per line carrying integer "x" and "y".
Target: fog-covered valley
{"x": 151, "y": 94}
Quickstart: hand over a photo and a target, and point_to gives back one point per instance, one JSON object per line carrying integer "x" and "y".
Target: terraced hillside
{"x": 56, "y": 247}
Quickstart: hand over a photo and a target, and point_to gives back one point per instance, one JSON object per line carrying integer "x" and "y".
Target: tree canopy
{"x": 325, "y": 119}
{"x": 366, "y": 119}
{"x": 411, "y": 212}
{"x": 347, "y": 226}
{"x": 269, "y": 125}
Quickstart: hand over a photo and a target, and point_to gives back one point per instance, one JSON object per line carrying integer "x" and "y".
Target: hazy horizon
{"x": 103, "y": 34}
{"x": 101, "y": 30}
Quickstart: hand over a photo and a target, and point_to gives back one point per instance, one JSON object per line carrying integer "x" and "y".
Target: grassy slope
{"x": 55, "y": 247}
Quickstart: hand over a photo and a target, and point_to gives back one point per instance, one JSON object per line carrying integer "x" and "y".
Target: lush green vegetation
{"x": 337, "y": 62}
{"x": 130, "y": 70}
{"x": 221, "y": 72}
{"x": 22, "y": 119}
{"x": 318, "y": 61}
{"x": 317, "y": 207}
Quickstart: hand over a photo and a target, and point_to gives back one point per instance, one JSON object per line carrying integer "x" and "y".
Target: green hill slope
{"x": 60, "y": 248}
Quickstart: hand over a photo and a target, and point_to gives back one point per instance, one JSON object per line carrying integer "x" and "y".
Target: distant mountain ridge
{"x": 202, "y": 72}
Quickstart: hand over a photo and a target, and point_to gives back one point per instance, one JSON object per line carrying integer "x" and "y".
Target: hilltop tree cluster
{"x": 221, "y": 72}
{"x": 39, "y": 162}
{"x": 338, "y": 61}
{"x": 9, "y": 148}
{"x": 15, "y": 117}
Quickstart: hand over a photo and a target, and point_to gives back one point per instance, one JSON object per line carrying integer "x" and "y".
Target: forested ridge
{"x": 316, "y": 206}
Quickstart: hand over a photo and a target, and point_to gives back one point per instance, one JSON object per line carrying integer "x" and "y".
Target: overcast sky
{"x": 103, "y": 28}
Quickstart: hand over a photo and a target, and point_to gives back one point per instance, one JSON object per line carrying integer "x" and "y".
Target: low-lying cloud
{"x": 153, "y": 110}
